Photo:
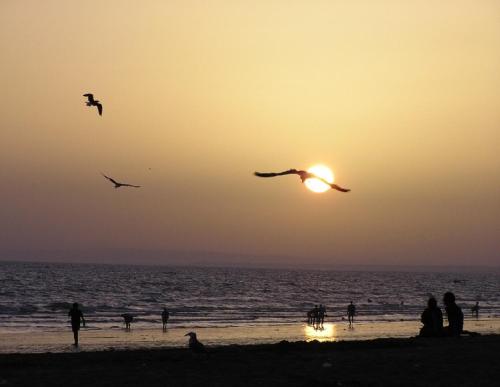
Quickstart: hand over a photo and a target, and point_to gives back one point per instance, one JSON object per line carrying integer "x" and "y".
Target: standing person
{"x": 76, "y": 315}
{"x": 310, "y": 317}
{"x": 315, "y": 314}
{"x": 321, "y": 314}
{"x": 432, "y": 318}
{"x": 455, "y": 316}
{"x": 351, "y": 311}
{"x": 164, "y": 318}
{"x": 475, "y": 310}
{"x": 127, "y": 318}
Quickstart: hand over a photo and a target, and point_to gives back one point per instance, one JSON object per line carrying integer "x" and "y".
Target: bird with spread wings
{"x": 93, "y": 102}
{"x": 117, "y": 184}
{"x": 304, "y": 175}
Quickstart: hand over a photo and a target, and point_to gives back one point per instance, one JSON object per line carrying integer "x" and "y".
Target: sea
{"x": 37, "y": 296}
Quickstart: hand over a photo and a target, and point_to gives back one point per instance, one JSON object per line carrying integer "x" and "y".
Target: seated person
{"x": 432, "y": 318}
{"x": 455, "y": 316}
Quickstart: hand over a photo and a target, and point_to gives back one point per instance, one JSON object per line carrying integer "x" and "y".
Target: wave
{"x": 213, "y": 297}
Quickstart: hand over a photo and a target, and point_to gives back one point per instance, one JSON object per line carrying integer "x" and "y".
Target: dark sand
{"x": 467, "y": 361}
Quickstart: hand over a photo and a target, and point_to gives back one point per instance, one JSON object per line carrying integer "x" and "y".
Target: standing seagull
{"x": 93, "y": 102}
{"x": 194, "y": 344}
{"x": 304, "y": 175}
{"x": 117, "y": 184}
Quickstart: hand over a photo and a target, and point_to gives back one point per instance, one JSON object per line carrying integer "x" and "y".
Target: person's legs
{"x": 75, "y": 336}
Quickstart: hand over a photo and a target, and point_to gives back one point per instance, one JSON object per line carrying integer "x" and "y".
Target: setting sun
{"x": 317, "y": 185}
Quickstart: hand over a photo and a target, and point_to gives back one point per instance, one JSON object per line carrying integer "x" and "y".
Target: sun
{"x": 317, "y": 185}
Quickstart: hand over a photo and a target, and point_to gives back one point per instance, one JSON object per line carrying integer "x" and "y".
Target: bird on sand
{"x": 304, "y": 175}
{"x": 117, "y": 184}
{"x": 93, "y": 102}
{"x": 194, "y": 344}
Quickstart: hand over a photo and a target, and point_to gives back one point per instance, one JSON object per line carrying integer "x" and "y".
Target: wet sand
{"x": 466, "y": 361}
{"x": 91, "y": 339}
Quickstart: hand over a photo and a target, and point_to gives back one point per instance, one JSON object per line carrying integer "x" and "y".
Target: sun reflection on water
{"x": 326, "y": 332}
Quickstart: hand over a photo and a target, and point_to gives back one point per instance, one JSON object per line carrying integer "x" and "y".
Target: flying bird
{"x": 93, "y": 102}
{"x": 194, "y": 344}
{"x": 304, "y": 175}
{"x": 117, "y": 184}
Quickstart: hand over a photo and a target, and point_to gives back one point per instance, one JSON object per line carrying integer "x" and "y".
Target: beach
{"x": 466, "y": 361}
{"x": 95, "y": 339}
{"x": 252, "y": 321}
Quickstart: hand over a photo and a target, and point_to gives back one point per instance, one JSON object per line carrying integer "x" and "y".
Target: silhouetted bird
{"x": 93, "y": 102}
{"x": 194, "y": 344}
{"x": 304, "y": 175}
{"x": 118, "y": 185}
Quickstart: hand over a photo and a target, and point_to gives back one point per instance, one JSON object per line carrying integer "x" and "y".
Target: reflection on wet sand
{"x": 325, "y": 332}
{"x": 94, "y": 339}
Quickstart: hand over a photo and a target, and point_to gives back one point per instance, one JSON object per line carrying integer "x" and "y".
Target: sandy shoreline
{"x": 38, "y": 341}
{"x": 466, "y": 361}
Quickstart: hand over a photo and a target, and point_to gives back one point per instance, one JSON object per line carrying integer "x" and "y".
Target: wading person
{"x": 321, "y": 314}
{"x": 164, "y": 318}
{"x": 76, "y": 316}
{"x": 127, "y": 319}
{"x": 475, "y": 310}
{"x": 351, "y": 311}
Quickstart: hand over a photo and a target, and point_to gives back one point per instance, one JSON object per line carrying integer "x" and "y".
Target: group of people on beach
{"x": 128, "y": 318}
{"x": 77, "y": 319}
{"x": 316, "y": 316}
{"x": 432, "y": 318}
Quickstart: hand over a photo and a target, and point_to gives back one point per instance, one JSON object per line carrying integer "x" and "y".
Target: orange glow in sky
{"x": 399, "y": 97}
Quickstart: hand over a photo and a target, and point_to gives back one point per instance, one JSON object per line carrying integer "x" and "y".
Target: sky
{"x": 399, "y": 98}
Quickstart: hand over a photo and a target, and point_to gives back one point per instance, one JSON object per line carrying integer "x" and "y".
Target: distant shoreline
{"x": 466, "y": 361}
{"x": 491, "y": 269}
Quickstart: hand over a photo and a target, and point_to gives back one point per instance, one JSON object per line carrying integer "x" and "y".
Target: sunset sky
{"x": 401, "y": 99}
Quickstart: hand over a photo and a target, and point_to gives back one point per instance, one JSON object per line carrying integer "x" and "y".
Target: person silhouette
{"x": 315, "y": 315}
{"x": 164, "y": 318}
{"x": 455, "y": 316}
{"x": 310, "y": 317}
{"x": 321, "y": 314}
{"x": 351, "y": 311}
{"x": 475, "y": 310}
{"x": 432, "y": 318}
{"x": 76, "y": 315}
{"x": 127, "y": 318}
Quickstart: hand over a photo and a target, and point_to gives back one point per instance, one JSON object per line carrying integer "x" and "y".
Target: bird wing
{"x": 273, "y": 174}
{"x": 99, "y": 108}
{"x": 90, "y": 97}
{"x": 110, "y": 179}
{"x": 335, "y": 186}
{"x": 130, "y": 185}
